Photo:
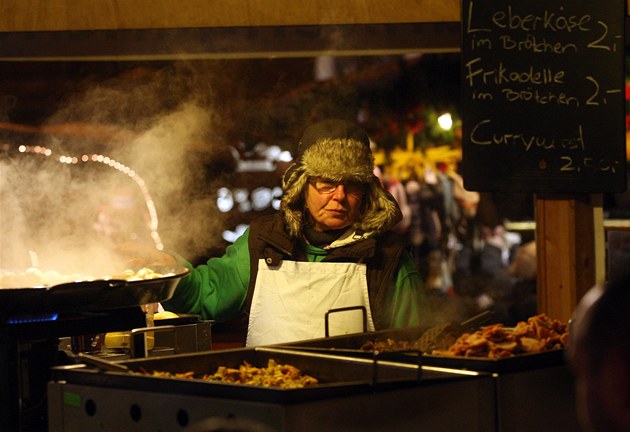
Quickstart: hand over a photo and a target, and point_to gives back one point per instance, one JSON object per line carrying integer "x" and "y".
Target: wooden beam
{"x": 566, "y": 251}
{"x": 59, "y": 15}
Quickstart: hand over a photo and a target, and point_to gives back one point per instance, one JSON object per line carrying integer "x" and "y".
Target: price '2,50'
{"x": 579, "y": 164}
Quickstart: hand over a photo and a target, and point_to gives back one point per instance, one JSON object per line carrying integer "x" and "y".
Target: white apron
{"x": 291, "y": 300}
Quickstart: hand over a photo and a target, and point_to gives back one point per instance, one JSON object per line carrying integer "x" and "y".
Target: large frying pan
{"x": 88, "y": 296}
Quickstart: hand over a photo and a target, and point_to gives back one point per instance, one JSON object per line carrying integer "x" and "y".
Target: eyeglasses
{"x": 327, "y": 187}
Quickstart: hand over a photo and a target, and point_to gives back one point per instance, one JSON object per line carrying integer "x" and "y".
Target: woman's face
{"x": 333, "y": 205}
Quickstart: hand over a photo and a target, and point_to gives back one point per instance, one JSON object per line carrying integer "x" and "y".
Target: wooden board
{"x": 39, "y": 15}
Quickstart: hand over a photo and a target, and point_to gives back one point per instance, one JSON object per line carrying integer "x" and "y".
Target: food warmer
{"x": 35, "y": 320}
{"x": 363, "y": 394}
{"x": 532, "y": 391}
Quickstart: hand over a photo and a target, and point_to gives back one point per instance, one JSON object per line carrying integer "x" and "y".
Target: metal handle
{"x": 344, "y": 309}
{"x": 394, "y": 355}
{"x": 101, "y": 363}
{"x": 137, "y": 343}
{"x": 477, "y": 320}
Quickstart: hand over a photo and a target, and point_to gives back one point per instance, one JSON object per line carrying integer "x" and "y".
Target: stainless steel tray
{"x": 337, "y": 375}
{"x": 350, "y": 345}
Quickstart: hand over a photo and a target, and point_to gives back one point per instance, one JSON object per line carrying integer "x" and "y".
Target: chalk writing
{"x": 484, "y": 134}
{"x": 532, "y": 44}
{"x": 543, "y": 95}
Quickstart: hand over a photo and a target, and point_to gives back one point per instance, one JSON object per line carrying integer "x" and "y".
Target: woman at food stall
{"x": 326, "y": 260}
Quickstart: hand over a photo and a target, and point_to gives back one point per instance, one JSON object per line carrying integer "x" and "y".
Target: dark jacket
{"x": 269, "y": 240}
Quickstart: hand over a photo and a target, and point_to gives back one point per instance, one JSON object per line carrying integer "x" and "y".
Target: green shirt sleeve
{"x": 215, "y": 290}
{"x": 409, "y": 305}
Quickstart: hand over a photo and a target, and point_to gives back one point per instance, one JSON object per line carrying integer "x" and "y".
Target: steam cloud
{"x": 159, "y": 124}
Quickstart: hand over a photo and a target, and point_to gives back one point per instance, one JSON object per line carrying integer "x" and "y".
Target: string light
{"x": 105, "y": 160}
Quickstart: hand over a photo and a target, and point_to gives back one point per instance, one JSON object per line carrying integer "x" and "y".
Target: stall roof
{"x": 34, "y": 15}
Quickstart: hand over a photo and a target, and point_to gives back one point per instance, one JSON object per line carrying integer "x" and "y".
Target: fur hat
{"x": 340, "y": 151}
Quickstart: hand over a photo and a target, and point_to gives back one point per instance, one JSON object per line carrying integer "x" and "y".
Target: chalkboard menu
{"x": 543, "y": 95}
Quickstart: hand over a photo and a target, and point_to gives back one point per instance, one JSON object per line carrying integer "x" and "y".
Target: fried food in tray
{"x": 283, "y": 376}
{"x": 539, "y": 334}
{"x": 439, "y": 336}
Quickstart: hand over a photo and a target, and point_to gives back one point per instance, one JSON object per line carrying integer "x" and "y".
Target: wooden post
{"x": 567, "y": 251}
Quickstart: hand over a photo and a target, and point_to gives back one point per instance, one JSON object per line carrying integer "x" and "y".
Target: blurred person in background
{"x": 599, "y": 352}
{"x": 522, "y": 300}
{"x": 329, "y": 247}
{"x": 398, "y": 192}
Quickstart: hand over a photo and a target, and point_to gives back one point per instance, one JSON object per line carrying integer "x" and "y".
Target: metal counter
{"x": 533, "y": 392}
{"x": 346, "y": 399}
